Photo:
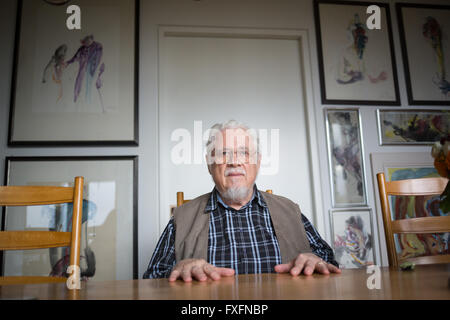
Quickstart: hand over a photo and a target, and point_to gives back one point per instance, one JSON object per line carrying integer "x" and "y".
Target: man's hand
{"x": 308, "y": 263}
{"x": 198, "y": 269}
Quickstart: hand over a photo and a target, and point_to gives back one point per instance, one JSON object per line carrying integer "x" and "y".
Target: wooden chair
{"x": 411, "y": 187}
{"x": 181, "y": 200}
{"x": 24, "y": 240}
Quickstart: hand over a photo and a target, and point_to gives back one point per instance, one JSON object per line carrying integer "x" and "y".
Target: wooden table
{"x": 425, "y": 282}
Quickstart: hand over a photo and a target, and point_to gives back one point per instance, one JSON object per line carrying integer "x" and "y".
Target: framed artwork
{"x": 352, "y": 235}
{"x": 410, "y": 165}
{"x": 413, "y": 127}
{"x": 345, "y": 157}
{"x": 109, "y": 221}
{"x": 425, "y": 42}
{"x": 356, "y": 64}
{"x": 75, "y": 87}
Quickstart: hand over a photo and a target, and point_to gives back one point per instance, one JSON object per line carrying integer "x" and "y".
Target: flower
{"x": 441, "y": 156}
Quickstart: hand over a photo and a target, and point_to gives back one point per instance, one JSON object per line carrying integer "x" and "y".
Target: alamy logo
{"x": 374, "y": 21}
{"x": 73, "y": 22}
{"x": 374, "y": 281}
{"x": 74, "y": 281}
{"x": 190, "y": 147}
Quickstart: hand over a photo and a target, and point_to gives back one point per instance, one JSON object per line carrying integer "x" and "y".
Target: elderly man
{"x": 236, "y": 228}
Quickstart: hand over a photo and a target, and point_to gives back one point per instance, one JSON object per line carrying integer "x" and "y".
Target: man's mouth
{"x": 235, "y": 173}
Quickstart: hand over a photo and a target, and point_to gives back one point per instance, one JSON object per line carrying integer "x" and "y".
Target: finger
{"x": 285, "y": 267}
{"x": 225, "y": 271}
{"x": 211, "y": 272}
{"x": 309, "y": 267}
{"x": 174, "y": 275}
{"x": 298, "y": 265}
{"x": 186, "y": 273}
{"x": 198, "y": 273}
{"x": 333, "y": 268}
{"x": 322, "y": 267}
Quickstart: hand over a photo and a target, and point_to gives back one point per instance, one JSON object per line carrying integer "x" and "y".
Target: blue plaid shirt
{"x": 243, "y": 240}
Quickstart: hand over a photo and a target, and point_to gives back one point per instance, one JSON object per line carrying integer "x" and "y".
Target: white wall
{"x": 273, "y": 14}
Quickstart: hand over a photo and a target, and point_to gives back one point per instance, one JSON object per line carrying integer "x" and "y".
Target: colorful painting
{"x": 352, "y": 62}
{"x": 356, "y": 63}
{"x": 75, "y": 87}
{"x": 89, "y": 57}
{"x": 412, "y": 126}
{"x": 415, "y": 245}
{"x": 345, "y": 157}
{"x": 352, "y": 238}
{"x": 108, "y": 239}
{"x": 425, "y": 36}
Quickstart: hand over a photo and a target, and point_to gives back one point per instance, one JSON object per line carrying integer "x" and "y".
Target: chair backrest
{"x": 411, "y": 187}
{"x": 181, "y": 200}
{"x": 25, "y": 240}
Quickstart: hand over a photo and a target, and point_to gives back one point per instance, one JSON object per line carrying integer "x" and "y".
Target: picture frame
{"x": 425, "y": 42}
{"x": 109, "y": 239}
{"x": 75, "y": 87}
{"x": 353, "y": 237}
{"x": 412, "y": 126}
{"x": 356, "y": 64}
{"x": 382, "y": 162}
{"x": 346, "y": 158}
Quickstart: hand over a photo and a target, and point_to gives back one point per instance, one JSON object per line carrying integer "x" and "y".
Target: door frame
{"x": 320, "y": 219}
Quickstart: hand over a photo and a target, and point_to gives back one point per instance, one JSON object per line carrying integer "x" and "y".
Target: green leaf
{"x": 444, "y": 204}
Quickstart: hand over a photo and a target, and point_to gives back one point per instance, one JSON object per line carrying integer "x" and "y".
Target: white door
{"x": 209, "y": 77}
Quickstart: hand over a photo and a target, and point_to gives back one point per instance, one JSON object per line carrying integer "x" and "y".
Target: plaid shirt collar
{"x": 215, "y": 199}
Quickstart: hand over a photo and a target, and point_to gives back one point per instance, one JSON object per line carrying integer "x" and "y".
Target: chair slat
{"x": 31, "y": 195}
{"x": 413, "y": 187}
{"x": 26, "y": 240}
{"x": 30, "y": 280}
{"x": 422, "y": 225}
{"x": 441, "y": 258}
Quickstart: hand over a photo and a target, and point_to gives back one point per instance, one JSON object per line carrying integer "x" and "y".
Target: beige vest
{"x": 192, "y": 228}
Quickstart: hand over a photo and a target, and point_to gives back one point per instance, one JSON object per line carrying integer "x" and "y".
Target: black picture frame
{"x": 405, "y": 57}
{"x": 134, "y": 215}
{"x": 129, "y": 141}
{"x": 356, "y": 101}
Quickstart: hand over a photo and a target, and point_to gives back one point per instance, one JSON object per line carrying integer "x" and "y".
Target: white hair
{"x": 230, "y": 124}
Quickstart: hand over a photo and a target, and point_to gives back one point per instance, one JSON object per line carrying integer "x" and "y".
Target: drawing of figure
{"x": 433, "y": 33}
{"x": 57, "y": 65}
{"x": 88, "y": 56}
{"x": 352, "y": 66}
{"x": 353, "y": 247}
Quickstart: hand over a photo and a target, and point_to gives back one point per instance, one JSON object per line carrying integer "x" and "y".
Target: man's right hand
{"x": 198, "y": 269}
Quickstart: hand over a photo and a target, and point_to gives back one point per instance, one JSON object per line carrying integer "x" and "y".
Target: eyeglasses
{"x": 227, "y": 156}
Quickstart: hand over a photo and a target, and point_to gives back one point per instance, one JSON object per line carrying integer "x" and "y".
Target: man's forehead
{"x": 236, "y": 138}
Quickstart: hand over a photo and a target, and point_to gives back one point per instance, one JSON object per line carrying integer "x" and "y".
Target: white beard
{"x": 236, "y": 194}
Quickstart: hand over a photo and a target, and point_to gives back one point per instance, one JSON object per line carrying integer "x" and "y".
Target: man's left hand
{"x": 308, "y": 263}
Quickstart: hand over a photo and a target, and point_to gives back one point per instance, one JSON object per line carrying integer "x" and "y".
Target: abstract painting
{"x": 402, "y": 207}
{"x": 75, "y": 87}
{"x": 353, "y": 238}
{"x": 108, "y": 238}
{"x": 356, "y": 63}
{"x": 415, "y": 127}
{"x": 425, "y": 38}
{"x": 345, "y": 157}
